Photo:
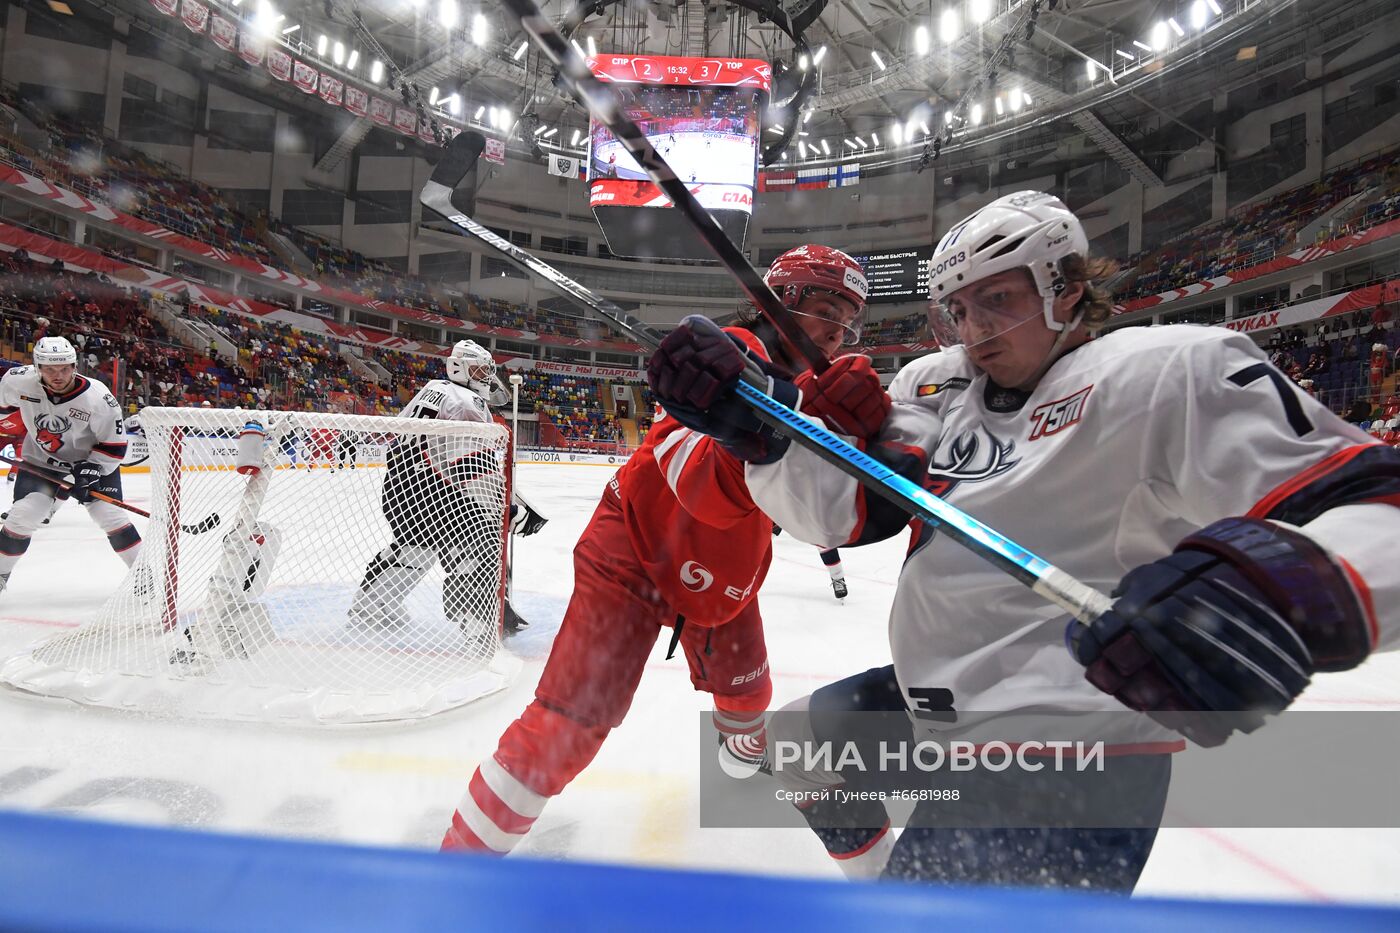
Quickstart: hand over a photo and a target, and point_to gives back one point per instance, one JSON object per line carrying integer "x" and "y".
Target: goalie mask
{"x": 471, "y": 365}
{"x": 1027, "y": 230}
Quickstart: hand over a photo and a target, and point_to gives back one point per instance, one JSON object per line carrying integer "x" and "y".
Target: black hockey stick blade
{"x": 208, "y": 523}
{"x": 458, "y": 157}
{"x": 602, "y": 104}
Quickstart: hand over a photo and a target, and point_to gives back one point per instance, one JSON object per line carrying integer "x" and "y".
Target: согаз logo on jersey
{"x": 695, "y": 577}
{"x": 51, "y": 431}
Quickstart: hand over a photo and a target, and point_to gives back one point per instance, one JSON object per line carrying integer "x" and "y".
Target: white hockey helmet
{"x": 54, "y": 351}
{"x": 470, "y": 363}
{"x": 1028, "y": 229}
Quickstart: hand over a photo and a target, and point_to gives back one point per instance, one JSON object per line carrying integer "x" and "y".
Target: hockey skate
{"x": 742, "y": 756}
{"x": 513, "y": 623}
{"x": 838, "y": 586}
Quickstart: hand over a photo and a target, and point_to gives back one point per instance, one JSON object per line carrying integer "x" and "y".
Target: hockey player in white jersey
{"x": 1247, "y": 534}
{"x": 433, "y": 507}
{"x": 74, "y": 433}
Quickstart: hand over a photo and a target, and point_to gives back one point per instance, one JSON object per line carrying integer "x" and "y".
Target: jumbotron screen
{"x": 702, "y": 115}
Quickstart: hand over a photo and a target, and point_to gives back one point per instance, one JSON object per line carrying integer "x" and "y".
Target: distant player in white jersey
{"x": 1247, "y": 534}
{"x": 431, "y": 508}
{"x": 74, "y": 434}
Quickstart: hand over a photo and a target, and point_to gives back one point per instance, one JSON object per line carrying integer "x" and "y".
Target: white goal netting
{"x": 355, "y": 575}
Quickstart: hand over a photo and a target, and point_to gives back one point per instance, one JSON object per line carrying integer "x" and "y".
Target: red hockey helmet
{"x": 820, "y": 268}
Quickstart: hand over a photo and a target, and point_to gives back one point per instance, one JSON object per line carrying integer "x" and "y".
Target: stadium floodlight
{"x": 1015, "y": 99}
{"x": 454, "y": 105}
{"x": 353, "y": 60}
{"x": 921, "y": 39}
{"x": 802, "y": 62}
{"x": 980, "y": 11}
{"x": 495, "y": 118}
{"x": 433, "y": 97}
{"x": 860, "y": 142}
{"x": 923, "y": 126}
{"x": 447, "y": 13}
{"x": 875, "y": 137}
{"x": 1214, "y": 7}
{"x": 976, "y": 114}
{"x": 802, "y": 149}
{"x": 948, "y": 25}
{"x": 578, "y": 48}
{"x": 807, "y": 117}
{"x": 1000, "y": 107}
{"x": 291, "y": 29}
{"x": 338, "y": 53}
{"x": 592, "y": 47}
{"x": 1126, "y": 55}
{"x": 1142, "y": 45}
{"x": 897, "y": 134}
{"x": 577, "y": 133}
{"x": 551, "y": 131}
{"x": 821, "y": 53}
{"x": 1161, "y": 36}
{"x": 878, "y": 60}
{"x": 506, "y": 121}
{"x": 479, "y": 29}
{"x": 376, "y": 71}
{"x": 266, "y": 19}
{"x": 775, "y": 128}
{"x": 1199, "y": 14}
{"x": 947, "y": 118}
{"x": 825, "y": 148}
{"x": 479, "y": 111}
{"x": 849, "y": 143}
{"x": 1176, "y": 27}
{"x": 1090, "y": 71}
{"x": 521, "y": 51}
{"x": 1025, "y": 98}
{"x": 322, "y": 43}
{"x": 540, "y": 129}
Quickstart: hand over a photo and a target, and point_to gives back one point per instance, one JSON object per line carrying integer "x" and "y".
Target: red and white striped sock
{"x": 494, "y": 814}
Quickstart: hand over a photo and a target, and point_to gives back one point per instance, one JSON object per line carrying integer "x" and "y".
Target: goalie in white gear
{"x": 437, "y": 505}
{"x": 74, "y": 426}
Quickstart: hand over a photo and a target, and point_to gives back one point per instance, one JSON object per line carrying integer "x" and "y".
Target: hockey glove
{"x": 1224, "y": 631}
{"x": 848, "y": 396}
{"x": 694, "y": 374}
{"x": 86, "y": 476}
{"x": 524, "y": 520}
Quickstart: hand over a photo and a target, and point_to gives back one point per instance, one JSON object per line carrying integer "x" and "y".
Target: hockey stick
{"x": 1081, "y": 601}
{"x": 207, "y": 523}
{"x": 602, "y": 103}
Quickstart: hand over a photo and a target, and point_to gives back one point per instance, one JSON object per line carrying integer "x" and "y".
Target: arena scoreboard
{"x": 702, "y": 116}
{"x": 896, "y": 274}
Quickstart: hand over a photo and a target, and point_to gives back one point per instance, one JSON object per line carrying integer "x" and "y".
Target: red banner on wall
{"x": 194, "y": 15}
{"x": 168, "y": 7}
{"x": 332, "y": 90}
{"x": 224, "y": 33}
{"x": 381, "y": 111}
{"x": 305, "y": 77}
{"x": 405, "y": 121}
{"x": 279, "y": 64}
{"x": 250, "y": 48}
{"x": 356, "y": 100}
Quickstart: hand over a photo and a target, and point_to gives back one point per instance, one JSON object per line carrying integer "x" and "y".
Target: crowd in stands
{"x": 574, "y": 406}
{"x": 1261, "y": 231}
{"x": 907, "y": 329}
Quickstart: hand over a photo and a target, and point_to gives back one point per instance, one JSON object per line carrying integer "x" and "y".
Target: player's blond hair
{"x": 1096, "y": 304}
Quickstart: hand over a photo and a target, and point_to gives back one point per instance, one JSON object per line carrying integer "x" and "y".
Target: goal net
{"x": 301, "y": 566}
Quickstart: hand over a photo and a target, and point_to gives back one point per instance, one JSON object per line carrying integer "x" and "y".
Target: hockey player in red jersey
{"x": 677, "y": 543}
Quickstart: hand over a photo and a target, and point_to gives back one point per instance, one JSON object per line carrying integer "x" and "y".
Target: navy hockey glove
{"x": 1226, "y": 630}
{"x": 86, "y": 475}
{"x": 694, "y": 374}
{"x": 525, "y": 521}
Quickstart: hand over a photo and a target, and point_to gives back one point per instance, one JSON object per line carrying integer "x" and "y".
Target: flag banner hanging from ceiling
{"x": 356, "y": 100}
{"x": 563, "y": 166}
{"x": 194, "y": 15}
{"x": 250, "y": 49}
{"x": 305, "y": 77}
{"x": 381, "y": 111}
{"x": 224, "y": 32}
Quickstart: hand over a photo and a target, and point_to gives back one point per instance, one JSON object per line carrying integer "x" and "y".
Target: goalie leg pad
{"x": 469, "y": 594}
{"x": 389, "y": 578}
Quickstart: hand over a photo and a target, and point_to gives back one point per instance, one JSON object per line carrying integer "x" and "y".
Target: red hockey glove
{"x": 848, "y": 396}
